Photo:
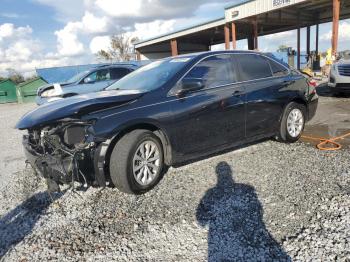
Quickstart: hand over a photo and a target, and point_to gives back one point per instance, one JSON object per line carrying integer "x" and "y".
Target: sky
{"x": 47, "y": 33}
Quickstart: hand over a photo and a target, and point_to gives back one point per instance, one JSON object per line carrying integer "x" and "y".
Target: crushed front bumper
{"x": 43, "y": 165}
{"x": 90, "y": 171}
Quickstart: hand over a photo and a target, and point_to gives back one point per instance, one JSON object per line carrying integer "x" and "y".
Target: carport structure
{"x": 249, "y": 20}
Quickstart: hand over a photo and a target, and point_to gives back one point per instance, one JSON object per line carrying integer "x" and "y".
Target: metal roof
{"x": 183, "y": 31}
{"x": 30, "y": 81}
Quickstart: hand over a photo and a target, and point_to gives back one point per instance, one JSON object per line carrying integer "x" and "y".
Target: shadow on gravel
{"x": 234, "y": 215}
{"x": 19, "y": 222}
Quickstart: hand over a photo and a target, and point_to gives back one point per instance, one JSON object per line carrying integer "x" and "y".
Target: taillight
{"x": 312, "y": 86}
{"x": 312, "y": 83}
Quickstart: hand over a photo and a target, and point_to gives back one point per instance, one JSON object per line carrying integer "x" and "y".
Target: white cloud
{"x": 93, "y": 24}
{"x": 117, "y": 9}
{"x": 158, "y": 27}
{"x": 66, "y": 10}
{"x": 280, "y": 36}
{"x": 344, "y": 33}
{"x": 8, "y": 30}
{"x": 100, "y": 43}
{"x": 68, "y": 43}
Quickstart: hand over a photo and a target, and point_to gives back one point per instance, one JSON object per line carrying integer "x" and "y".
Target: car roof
{"x": 132, "y": 66}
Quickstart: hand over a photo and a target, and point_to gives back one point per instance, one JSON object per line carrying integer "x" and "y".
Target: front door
{"x": 212, "y": 117}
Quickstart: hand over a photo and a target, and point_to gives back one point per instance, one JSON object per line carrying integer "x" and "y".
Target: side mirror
{"x": 190, "y": 85}
{"x": 88, "y": 80}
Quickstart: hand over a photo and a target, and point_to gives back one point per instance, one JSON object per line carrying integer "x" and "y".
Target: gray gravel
{"x": 265, "y": 202}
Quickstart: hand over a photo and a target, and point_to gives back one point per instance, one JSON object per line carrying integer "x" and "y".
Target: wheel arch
{"x": 150, "y": 126}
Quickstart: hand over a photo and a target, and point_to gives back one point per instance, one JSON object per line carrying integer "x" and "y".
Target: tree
{"x": 15, "y": 76}
{"x": 121, "y": 49}
{"x": 282, "y": 48}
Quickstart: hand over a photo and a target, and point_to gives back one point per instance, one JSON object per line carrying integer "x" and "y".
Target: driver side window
{"x": 97, "y": 76}
{"x": 214, "y": 71}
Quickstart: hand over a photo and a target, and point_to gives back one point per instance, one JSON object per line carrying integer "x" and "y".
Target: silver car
{"x": 339, "y": 78}
{"x": 93, "y": 80}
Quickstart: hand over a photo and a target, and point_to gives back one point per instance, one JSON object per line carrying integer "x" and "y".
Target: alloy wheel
{"x": 295, "y": 123}
{"x": 146, "y": 163}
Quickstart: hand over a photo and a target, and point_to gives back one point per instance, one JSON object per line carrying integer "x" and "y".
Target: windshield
{"x": 77, "y": 77}
{"x": 151, "y": 76}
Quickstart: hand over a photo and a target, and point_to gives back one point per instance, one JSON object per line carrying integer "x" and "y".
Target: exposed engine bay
{"x": 63, "y": 153}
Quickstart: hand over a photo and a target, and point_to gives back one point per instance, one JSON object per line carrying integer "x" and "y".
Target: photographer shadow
{"x": 19, "y": 222}
{"x": 234, "y": 216}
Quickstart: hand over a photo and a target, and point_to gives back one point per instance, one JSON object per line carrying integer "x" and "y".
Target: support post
{"x": 317, "y": 37}
{"x": 227, "y": 36}
{"x": 234, "y": 36}
{"x": 255, "y": 33}
{"x": 335, "y": 34}
{"x": 250, "y": 43}
{"x": 138, "y": 55}
{"x": 308, "y": 32}
{"x": 298, "y": 48}
{"x": 174, "y": 50}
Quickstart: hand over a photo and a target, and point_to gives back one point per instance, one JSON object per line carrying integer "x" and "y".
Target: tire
{"x": 286, "y": 134}
{"x": 123, "y": 162}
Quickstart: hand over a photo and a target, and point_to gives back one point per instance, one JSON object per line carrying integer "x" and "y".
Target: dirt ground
{"x": 332, "y": 118}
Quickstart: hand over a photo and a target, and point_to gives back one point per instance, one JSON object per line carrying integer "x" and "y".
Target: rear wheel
{"x": 137, "y": 161}
{"x": 293, "y": 122}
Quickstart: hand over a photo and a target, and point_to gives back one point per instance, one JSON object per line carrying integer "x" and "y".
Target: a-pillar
{"x": 174, "y": 50}
{"x": 227, "y": 36}
{"x": 234, "y": 35}
{"x": 138, "y": 55}
{"x": 336, "y": 12}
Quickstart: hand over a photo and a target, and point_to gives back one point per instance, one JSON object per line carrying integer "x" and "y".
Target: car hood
{"x": 76, "y": 106}
{"x": 50, "y": 86}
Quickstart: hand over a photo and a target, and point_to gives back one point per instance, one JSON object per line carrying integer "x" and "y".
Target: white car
{"x": 339, "y": 78}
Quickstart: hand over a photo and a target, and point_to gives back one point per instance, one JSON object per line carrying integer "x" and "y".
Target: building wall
{"x": 8, "y": 92}
{"x": 252, "y": 8}
{"x": 26, "y": 92}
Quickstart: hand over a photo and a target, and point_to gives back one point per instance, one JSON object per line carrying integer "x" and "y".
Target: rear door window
{"x": 214, "y": 71}
{"x": 117, "y": 73}
{"x": 103, "y": 75}
{"x": 253, "y": 67}
{"x": 278, "y": 69}
{"x": 97, "y": 76}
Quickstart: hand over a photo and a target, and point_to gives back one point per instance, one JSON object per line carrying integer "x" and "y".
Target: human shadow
{"x": 234, "y": 215}
{"x": 20, "y": 221}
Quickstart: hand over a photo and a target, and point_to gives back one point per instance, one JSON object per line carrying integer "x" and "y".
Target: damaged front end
{"x": 66, "y": 153}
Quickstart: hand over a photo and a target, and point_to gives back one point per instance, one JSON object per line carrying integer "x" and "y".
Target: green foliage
{"x": 15, "y": 76}
{"x": 282, "y": 48}
{"x": 121, "y": 49}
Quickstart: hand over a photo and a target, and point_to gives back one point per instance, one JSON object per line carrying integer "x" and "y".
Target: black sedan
{"x": 166, "y": 113}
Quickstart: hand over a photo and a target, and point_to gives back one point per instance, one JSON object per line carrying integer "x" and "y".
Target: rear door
{"x": 263, "y": 97}
{"x": 118, "y": 73}
{"x": 210, "y": 118}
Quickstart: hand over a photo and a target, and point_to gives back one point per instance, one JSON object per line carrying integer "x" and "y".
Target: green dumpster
{"x": 26, "y": 92}
{"x": 7, "y": 91}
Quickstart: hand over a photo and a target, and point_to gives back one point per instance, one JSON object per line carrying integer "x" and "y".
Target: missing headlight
{"x": 75, "y": 135}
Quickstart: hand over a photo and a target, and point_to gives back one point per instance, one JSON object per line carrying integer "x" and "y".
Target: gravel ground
{"x": 264, "y": 202}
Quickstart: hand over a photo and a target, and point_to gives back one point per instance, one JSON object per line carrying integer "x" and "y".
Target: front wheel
{"x": 137, "y": 161}
{"x": 292, "y": 123}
